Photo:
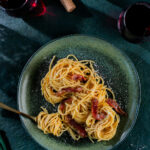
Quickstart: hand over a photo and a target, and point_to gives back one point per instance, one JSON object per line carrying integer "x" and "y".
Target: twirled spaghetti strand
{"x": 85, "y": 108}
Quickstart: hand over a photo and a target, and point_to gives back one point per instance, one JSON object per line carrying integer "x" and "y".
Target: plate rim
{"x": 85, "y": 36}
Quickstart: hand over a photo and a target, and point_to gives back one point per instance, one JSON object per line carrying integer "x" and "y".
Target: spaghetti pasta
{"x": 50, "y": 123}
{"x": 84, "y": 109}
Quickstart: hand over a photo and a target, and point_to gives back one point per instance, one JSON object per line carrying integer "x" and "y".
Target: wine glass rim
{"x": 147, "y": 4}
{"x": 12, "y": 9}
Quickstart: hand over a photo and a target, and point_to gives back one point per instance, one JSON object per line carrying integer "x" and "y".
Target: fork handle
{"x": 3, "y": 106}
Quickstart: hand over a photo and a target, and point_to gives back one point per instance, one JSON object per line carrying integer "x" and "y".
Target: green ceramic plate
{"x": 113, "y": 65}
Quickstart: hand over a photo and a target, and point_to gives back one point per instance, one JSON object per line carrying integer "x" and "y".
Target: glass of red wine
{"x": 21, "y": 8}
{"x": 134, "y": 22}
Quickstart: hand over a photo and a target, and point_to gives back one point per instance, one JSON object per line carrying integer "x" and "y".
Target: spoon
{"x": 3, "y": 106}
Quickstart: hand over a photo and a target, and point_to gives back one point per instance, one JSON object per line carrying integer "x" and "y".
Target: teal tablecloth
{"x": 20, "y": 38}
{"x": 2, "y": 144}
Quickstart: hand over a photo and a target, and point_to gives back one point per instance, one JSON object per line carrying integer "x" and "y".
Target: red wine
{"x": 12, "y": 4}
{"x": 19, "y": 8}
{"x": 137, "y": 18}
{"x": 134, "y": 22}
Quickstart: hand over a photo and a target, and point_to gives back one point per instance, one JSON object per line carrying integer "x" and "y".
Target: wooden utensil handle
{"x": 16, "y": 111}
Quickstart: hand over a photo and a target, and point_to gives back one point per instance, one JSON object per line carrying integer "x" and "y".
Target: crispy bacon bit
{"x": 79, "y": 129}
{"x": 69, "y": 90}
{"x": 79, "y": 77}
{"x": 95, "y": 114}
{"x": 114, "y": 105}
{"x": 62, "y": 104}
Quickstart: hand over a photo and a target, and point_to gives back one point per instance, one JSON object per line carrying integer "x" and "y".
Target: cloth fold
{"x": 2, "y": 144}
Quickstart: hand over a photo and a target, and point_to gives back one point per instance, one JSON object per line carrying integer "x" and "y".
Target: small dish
{"x": 113, "y": 65}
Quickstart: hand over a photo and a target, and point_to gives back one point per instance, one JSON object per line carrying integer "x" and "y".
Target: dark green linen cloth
{"x": 2, "y": 144}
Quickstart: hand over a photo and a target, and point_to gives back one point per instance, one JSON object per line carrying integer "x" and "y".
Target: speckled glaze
{"x": 115, "y": 67}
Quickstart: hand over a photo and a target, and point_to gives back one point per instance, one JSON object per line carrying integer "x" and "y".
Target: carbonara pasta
{"x": 86, "y": 108}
